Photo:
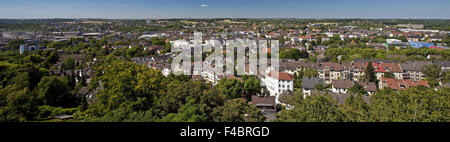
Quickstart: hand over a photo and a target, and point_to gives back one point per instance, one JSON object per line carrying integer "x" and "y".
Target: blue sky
{"x": 139, "y": 9}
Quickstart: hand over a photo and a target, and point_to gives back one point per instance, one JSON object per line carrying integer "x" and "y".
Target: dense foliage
{"x": 132, "y": 92}
{"x": 411, "y": 105}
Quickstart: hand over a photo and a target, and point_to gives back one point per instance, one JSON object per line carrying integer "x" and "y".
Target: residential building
{"x": 413, "y": 69}
{"x": 400, "y": 84}
{"x": 357, "y": 70}
{"x": 381, "y": 68}
{"x": 277, "y": 82}
{"x": 341, "y": 86}
{"x": 267, "y": 106}
{"x": 330, "y": 71}
{"x": 308, "y": 84}
{"x": 369, "y": 87}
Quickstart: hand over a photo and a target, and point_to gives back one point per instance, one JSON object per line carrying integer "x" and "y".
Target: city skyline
{"x": 170, "y": 9}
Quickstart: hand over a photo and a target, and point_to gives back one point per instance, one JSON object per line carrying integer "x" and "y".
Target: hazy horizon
{"x": 207, "y": 9}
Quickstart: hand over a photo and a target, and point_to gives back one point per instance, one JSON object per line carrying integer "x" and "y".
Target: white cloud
{"x": 204, "y": 5}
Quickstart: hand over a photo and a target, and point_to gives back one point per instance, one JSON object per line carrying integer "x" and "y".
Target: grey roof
{"x": 310, "y": 82}
{"x": 442, "y": 63}
{"x": 374, "y": 61}
{"x": 368, "y": 86}
{"x": 447, "y": 85}
{"x": 414, "y": 65}
{"x": 294, "y": 65}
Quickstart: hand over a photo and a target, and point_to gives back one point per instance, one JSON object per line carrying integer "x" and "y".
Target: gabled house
{"x": 369, "y": 87}
{"x": 308, "y": 84}
{"x": 267, "y": 106}
{"x": 341, "y": 86}
{"x": 381, "y": 68}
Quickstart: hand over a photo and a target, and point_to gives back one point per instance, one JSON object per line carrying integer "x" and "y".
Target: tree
{"x": 190, "y": 112}
{"x": 178, "y": 95}
{"x": 52, "y": 58}
{"x": 369, "y": 73}
{"x": 315, "y": 108}
{"x": 15, "y": 43}
{"x": 55, "y": 91}
{"x": 237, "y": 110}
{"x": 298, "y": 80}
{"x": 309, "y": 72}
{"x": 355, "y": 109}
{"x": 293, "y": 53}
{"x": 167, "y": 49}
{"x": 252, "y": 86}
{"x": 157, "y": 41}
{"x": 69, "y": 63}
{"x": 357, "y": 89}
{"x": 446, "y": 77}
{"x": 17, "y": 102}
{"x": 432, "y": 73}
{"x": 282, "y": 41}
{"x": 389, "y": 75}
{"x": 20, "y": 106}
{"x": 411, "y": 105}
{"x": 403, "y": 38}
{"x": 446, "y": 41}
{"x": 319, "y": 87}
{"x": 232, "y": 88}
{"x": 124, "y": 85}
{"x": 210, "y": 100}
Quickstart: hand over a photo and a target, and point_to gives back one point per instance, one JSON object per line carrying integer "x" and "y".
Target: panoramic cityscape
{"x": 224, "y": 61}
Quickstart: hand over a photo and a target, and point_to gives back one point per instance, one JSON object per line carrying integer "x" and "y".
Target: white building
{"x": 277, "y": 82}
{"x": 179, "y": 45}
{"x": 210, "y": 76}
{"x": 341, "y": 86}
{"x": 393, "y": 41}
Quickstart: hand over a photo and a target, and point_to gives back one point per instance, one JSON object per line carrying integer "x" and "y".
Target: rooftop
{"x": 280, "y": 75}
{"x": 343, "y": 84}
{"x": 310, "y": 82}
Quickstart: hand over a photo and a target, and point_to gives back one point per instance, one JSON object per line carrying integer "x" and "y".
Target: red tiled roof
{"x": 402, "y": 84}
{"x": 281, "y": 76}
{"x": 412, "y": 83}
{"x": 383, "y": 67}
{"x": 377, "y": 67}
{"x": 359, "y": 66}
